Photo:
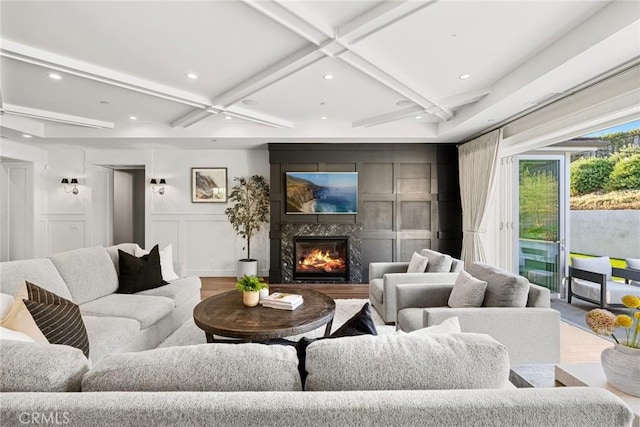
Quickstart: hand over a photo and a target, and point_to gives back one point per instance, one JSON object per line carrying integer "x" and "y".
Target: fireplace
{"x": 321, "y": 258}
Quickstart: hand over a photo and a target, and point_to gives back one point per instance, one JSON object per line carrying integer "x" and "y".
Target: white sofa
{"x": 531, "y": 333}
{"x": 389, "y": 380}
{"x": 385, "y": 276}
{"x": 114, "y": 322}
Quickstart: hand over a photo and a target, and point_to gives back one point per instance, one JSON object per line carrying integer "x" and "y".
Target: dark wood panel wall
{"x": 408, "y": 197}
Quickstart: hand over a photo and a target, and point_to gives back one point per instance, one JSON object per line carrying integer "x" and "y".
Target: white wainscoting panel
{"x": 210, "y": 245}
{"x": 66, "y": 233}
{"x": 165, "y": 232}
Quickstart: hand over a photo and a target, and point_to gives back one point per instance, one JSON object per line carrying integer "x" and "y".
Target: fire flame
{"x": 321, "y": 260}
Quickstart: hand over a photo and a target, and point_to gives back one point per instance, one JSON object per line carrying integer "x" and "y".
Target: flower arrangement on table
{"x": 603, "y": 322}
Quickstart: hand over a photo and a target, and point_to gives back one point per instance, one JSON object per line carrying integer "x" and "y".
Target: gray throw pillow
{"x": 504, "y": 289}
{"x": 467, "y": 291}
{"x": 418, "y": 263}
{"x": 438, "y": 263}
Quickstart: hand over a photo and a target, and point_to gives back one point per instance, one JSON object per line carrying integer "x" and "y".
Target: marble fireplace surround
{"x": 289, "y": 231}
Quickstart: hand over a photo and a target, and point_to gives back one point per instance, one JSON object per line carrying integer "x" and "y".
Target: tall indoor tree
{"x": 250, "y": 198}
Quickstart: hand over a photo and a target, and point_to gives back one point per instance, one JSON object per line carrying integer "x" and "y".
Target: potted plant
{"x": 250, "y": 287}
{"x": 250, "y": 210}
{"x": 620, "y": 363}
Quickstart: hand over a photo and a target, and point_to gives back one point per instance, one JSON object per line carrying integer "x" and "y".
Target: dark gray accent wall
{"x": 408, "y": 197}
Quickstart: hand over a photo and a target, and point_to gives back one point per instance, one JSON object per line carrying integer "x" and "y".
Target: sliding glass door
{"x": 541, "y": 219}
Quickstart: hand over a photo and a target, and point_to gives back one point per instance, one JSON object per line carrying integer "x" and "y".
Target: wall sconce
{"x": 74, "y": 182}
{"x": 160, "y": 190}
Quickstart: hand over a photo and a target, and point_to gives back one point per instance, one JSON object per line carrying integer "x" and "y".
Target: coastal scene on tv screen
{"x": 322, "y": 192}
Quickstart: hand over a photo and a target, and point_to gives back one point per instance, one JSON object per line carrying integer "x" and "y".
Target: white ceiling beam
{"x": 389, "y": 117}
{"x": 285, "y": 17}
{"x": 42, "y": 58}
{"x": 51, "y": 116}
{"x": 465, "y": 98}
{"x": 276, "y": 72}
{"x": 263, "y": 119}
{"x": 191, "y": 118}
{"x": 378, "y": 18}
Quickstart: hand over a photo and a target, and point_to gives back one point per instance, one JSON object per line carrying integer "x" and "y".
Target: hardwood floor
{"x": 576, "y": 345}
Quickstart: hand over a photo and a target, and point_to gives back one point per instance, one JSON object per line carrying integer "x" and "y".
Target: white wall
{"x": 200, "y": 233}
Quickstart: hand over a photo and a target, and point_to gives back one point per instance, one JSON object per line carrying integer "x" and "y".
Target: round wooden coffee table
{"x": 225, "y": 315}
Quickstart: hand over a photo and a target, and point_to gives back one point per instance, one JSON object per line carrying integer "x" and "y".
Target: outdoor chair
{"x": 591, "y": 280}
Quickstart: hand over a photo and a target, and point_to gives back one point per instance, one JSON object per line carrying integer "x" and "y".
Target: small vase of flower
{"x": 620, "y": 363}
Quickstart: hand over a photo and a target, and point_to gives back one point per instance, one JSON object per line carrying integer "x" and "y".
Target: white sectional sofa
{"x": 390, "y": 380}
{"x": 114, "y": 322}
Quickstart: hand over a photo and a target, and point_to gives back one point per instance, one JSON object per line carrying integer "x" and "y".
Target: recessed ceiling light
{"x": 403, "y": 103}
{"x": 55, "y": 76}
{"x": 192, "y": 76}
{"x": 328, "y": 76}
{"x": 464, "y": 76}
{"x": 323, "y": 117}
{"x": 227, "y": 117}
{"x": 249, "y": 102}
{"x": 26, "y": 135}
{"x": 133, "y": 118}
{"x": 418, "y": 117}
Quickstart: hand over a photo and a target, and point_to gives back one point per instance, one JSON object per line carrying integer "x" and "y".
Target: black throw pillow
{"x": 360, "y": 323}
{"x": 139, "y": 274}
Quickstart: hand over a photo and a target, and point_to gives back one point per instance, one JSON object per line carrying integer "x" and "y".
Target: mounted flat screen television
{"x": 322, "y": 192}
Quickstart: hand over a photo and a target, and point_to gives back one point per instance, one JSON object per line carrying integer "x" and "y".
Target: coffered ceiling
{"x": 398, "y": 68}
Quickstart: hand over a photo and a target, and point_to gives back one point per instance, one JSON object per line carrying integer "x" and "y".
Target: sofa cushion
{"x": 13, "y": 275}
{"x": 166, "y": 261}
{"x": 180, "y": 291}
{"x": 109, "y": 335}
{"x": 407, "y": 362}
{"x": 139, "y": 273}
{"x": 377, "y": 289}
{"x": 145, "y": 309}
{"x": 88, "y": 272}
{"x": 448, "y": 326}
{"x": 614, "y": 294}
{"x": 203, "y": 367}
{"x": 504, "y": 289}
{"x": 47, "y": 318}
{"x": 28, "y": 367}
{"x": 467, "y": 291}
{"x": 438, "y": 262}
{"x": 129, "y": 248}
{"x": 418, "y": 263}
{"x": 410, "y": 319}
{"x": 600, "y": 265}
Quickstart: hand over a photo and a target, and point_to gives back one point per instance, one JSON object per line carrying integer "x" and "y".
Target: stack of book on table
{"x": 282, "y": 301}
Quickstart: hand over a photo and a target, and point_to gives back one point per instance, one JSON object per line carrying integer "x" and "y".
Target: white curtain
{"x": 478, "y": 170}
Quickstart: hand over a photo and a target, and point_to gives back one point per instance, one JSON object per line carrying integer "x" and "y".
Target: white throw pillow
{"x": 467, "y": 291}
{"x": 418, "y": 263}
{"x": 10, "y": 334}
{"x": 633, "y": 263}
{"x": 6, "y": 301}
{"x": 166, "y": 262}
{"x": 449, "y": 326}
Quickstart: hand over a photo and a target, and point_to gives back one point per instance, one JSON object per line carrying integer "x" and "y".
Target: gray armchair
{"x": 385, "y": 276}
{"x": 531, "y": 334}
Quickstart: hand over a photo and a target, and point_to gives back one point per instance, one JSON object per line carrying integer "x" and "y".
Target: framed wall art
{"x": 209, "y": 185}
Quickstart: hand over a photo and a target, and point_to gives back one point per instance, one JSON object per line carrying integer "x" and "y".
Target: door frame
{"x": 563, "y": 211}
